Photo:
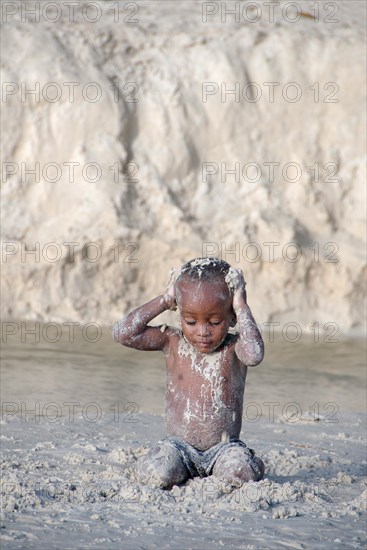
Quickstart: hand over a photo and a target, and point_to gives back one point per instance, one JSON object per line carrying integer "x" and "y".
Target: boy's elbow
{"x": 119, "y": 333}
{"x": 253, "y": 362}
{"x": 251, "y": 355}
{"x": 256, "y": 356}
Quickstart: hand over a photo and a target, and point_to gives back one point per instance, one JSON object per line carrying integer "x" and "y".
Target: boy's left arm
{"x": 249, "y": 346}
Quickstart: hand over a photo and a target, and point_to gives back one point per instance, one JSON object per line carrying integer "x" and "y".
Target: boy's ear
{"x": 233, "y": 322}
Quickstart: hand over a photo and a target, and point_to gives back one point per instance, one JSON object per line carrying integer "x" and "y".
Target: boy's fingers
{"x": 241, "y": 275}
{"x": 173, "y": 273}
{"x": 171, "y": 276}
{"x": 240, "y": 272}
{"x": 234, "y": 279}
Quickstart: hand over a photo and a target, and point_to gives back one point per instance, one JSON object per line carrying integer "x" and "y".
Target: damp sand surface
{"x": 91, "y": 409}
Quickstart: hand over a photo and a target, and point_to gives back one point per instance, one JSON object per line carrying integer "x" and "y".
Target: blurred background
{"x": 136, "y": 136}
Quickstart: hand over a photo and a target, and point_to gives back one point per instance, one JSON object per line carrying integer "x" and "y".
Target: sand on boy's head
{"x": 204, "y": 302}
{"x": 205, "y": 269}
{"x": 201, "y": 273}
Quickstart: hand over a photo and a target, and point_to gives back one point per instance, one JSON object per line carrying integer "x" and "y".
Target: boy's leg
{"x": 162, "y": 467}
{"x": 237, "y": 465}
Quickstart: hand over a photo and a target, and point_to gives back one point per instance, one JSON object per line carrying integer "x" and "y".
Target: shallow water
{"x": 303, "y": 377}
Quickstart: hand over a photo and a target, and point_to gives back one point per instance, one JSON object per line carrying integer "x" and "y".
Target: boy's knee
{"x": 162, "y": 467}
{"x": 237, "y": 465}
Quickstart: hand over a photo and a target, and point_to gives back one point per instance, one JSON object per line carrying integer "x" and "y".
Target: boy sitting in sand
{"x": 206, "y": 374}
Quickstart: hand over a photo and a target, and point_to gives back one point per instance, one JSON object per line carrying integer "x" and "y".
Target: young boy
{"x": 206, "y": 374}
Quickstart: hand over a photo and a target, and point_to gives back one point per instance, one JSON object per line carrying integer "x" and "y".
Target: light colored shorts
{"x": 200, "y": 463}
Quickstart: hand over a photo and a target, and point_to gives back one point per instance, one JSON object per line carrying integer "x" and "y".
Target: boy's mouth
{"x": 204, "y": 344}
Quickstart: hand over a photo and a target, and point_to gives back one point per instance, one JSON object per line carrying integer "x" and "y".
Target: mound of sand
{"x": 130, "y": 132}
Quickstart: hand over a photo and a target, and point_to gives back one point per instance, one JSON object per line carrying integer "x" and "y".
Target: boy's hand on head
{"x": 237, "y": 284}
{"x": 169, "y": 294}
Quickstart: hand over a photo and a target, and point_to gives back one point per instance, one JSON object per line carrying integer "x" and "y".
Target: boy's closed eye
{"x": 212, "y": 323}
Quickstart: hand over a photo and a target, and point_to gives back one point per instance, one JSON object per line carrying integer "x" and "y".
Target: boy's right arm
{"x": 133, "y": 330}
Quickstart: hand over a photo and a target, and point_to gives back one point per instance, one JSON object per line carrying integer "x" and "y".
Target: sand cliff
{"x": 133, "y": 126}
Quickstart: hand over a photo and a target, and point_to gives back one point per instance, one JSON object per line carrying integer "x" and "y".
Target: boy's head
{"x": 205, "y": 303}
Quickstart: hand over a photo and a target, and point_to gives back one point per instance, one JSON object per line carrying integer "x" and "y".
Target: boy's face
{"x": 206, "y": 312}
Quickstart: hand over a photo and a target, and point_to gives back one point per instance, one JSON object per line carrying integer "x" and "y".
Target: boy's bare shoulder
{"x": 172, "y": 334}
{"x": 170, "y": 331}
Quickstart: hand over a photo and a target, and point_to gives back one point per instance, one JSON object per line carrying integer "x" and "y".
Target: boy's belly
{"x": 204, "y": 402}
{"x": 203, "y": 425}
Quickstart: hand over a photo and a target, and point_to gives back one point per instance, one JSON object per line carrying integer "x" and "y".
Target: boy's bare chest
{"x": 188, "y": 368}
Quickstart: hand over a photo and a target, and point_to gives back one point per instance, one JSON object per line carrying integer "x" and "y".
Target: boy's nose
{"x": 204, "y": 330}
